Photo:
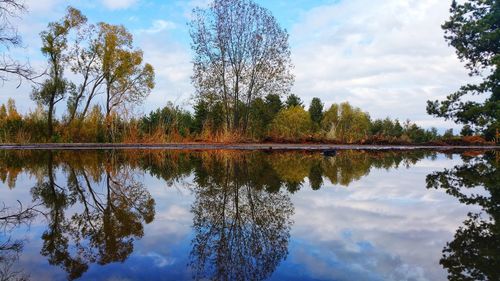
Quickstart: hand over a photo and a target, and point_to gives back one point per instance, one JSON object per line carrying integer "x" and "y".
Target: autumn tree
{"x": 240, "y": 53}
{"x": 345, "y": 123}
{"x": 473, "y": 29}
{"x": 292, "y": 123}
{"x": 127, "y": 78}
{"x": 54, "y": 47}
{"x": 104, "y": 58}
{"x": 85, "y": 60}
{"x": 10, "y": 120}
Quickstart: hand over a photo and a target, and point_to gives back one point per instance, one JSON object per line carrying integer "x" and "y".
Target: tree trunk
{"x": 50, "y": 124}
{"x": 108, "y": 114}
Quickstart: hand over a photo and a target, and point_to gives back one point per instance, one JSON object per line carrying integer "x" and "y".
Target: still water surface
{"x": 226, "y": 215}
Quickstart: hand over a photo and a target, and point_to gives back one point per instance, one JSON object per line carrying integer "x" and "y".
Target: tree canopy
{"x": 473, "y": 29}
{"x": 240, "y": 53}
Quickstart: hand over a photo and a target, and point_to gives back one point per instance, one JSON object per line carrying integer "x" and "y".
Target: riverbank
{"x": 236, "y": 146}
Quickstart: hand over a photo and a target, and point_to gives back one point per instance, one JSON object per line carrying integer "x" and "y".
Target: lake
{"x": 233, "y": 215}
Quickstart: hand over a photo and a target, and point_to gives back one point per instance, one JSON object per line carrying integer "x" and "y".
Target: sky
{"x": 387, "y": 57}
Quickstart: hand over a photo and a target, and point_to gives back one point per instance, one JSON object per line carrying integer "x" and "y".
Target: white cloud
{"x": 158, "y": 26}
{"x": 118, "y": 4}
{"x": 38, "y": 6}
{"x": 172, "y": 64}
{"x": 387, "y": 57}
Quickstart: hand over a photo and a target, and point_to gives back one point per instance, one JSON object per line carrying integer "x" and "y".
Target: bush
{"x": 170, "y": 120}
{"x": 293, "y": 123}
{"x": 346, "y": 123}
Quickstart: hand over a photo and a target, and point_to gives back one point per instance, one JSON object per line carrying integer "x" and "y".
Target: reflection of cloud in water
{"x": 382, "y": 227}
{"x": 161, "y": 261}
{"x": 348, "y": 260}
{"x": 175, "y": 221}
{"x": 375, "y": 223}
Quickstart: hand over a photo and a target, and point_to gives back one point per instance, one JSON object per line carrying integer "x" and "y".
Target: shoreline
{"x": 232, "y": 146}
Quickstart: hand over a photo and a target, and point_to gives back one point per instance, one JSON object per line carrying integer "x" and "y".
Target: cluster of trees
{"x": 32, "y": 127}
{"x": 270, "y": 118}
{"x": 104, "y": 58}
{"x": 242, "y": 70}
{"x": 105, "y": 66}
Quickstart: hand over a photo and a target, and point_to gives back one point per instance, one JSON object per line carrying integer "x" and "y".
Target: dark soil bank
{"x": 238, "y": 146}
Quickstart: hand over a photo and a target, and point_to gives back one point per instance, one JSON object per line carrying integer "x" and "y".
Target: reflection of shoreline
{"x": 241, "y": 177}
{"x": 240, "y": 146}
{"x": 269, "y": 170}
{"x": 251, "y": 189}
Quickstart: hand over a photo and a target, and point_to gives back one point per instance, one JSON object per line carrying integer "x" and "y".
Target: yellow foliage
{"x": 345, "y": 123}
{"x": 293, "y": 123}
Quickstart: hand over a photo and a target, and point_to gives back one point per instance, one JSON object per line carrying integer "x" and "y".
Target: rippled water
{"x": 227, "y": 215}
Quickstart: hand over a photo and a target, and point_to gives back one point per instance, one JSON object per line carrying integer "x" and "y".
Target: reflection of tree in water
{"x": 10, "y": 219}
{"x": 270, "y": 170}
{"x": 241, "y": 230}
{"x": 342, "y": 169}
{"x": 474, "y": 253}
{"x": 9, "y": 255}
{"x": 242, "y": 208}
{"x": 111, "y": 219}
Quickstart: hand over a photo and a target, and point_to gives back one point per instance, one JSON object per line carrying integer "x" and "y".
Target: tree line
{"x": 242, "y": 76}
{"x": 271, "y": 119}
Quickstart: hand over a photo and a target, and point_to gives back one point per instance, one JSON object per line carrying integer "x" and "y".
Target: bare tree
{"x": 9, "y": 256}
{"x": 9, "y": 38}
{"x": 240, "y": 53}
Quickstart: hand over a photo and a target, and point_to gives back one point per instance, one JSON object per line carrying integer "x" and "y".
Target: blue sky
{"x": 387, "y": 57}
